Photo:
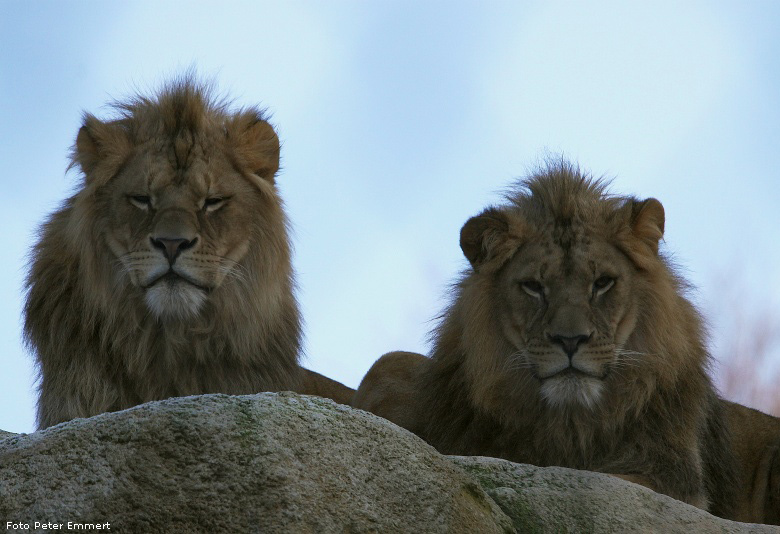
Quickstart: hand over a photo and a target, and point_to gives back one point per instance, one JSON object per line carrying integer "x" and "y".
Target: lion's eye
{"x": 533, "y": 288}
{"x": 213, "y": 203}
{"x": 143, "y": 202}
{"x": 603, "y": 284}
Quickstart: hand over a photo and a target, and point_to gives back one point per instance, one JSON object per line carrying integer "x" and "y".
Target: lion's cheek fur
{"x": 482, "y": 335}
{"x": 625, "y": 324}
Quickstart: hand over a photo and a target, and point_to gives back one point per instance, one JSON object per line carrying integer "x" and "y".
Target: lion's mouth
{"x": 171, "y": 278}
{"x": 572, "y": 373}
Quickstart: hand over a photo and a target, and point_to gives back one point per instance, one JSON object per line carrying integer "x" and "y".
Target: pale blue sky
{"x": 399, "y": 120}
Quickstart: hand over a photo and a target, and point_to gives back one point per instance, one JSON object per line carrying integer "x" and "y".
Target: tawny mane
{"x": 97, "y": 346}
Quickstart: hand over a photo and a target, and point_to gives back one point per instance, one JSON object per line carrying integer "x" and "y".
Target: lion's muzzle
{"x": 172, "y": 247}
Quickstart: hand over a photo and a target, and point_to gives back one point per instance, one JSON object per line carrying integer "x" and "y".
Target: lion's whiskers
{"x": 518, "y": 360}
{"x": 234, "y": 270}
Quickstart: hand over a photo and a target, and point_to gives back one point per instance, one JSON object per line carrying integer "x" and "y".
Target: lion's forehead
{"x": 200, "y": 173}
{"x": 580, "y": 258}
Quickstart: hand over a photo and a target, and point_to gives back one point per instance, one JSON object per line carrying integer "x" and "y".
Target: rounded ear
{"x": 487, "y": 239}
{"x": 86, "y": 152}
{"x": 647, "y": 222}
{"x": 99, "y": 142}
{"x": 640, "y": 228}
{"x": 256, "y": 144}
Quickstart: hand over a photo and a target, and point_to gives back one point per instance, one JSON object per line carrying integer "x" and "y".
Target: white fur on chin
{"x": 175, "y": 300}
{"x": 563, "y": 391}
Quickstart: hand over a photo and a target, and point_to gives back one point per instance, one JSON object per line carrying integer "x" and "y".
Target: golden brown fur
{"x": 756, "y": 442}
{"x": 168, "y": 272}
{"x": 569, "y": 342}
{"x": 315, "y": 384}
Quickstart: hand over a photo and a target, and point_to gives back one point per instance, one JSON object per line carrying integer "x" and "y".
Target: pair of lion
{"x": 569, "y": 340}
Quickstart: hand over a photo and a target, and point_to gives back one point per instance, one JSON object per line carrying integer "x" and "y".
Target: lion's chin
{"x": 572, "y": 389}
{"x": 175, "y": 299}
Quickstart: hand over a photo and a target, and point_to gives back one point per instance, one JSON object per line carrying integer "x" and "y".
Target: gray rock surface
{"x": 290, "y": 463}
{"x": 259, "y": 463}
{"x": 557, "y": 499}
{"x": 4, "y": 434}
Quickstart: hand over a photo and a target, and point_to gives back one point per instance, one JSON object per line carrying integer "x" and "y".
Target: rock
{"x": 557, "y": 499}
{"x": 4, "y": 434}
{"x": 258, "y": 463}
{"x": 290, "y": 463}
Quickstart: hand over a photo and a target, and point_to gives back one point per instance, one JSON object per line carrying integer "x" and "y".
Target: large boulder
{"x": 259, "y": 463}
{"x": 290, "y": 463}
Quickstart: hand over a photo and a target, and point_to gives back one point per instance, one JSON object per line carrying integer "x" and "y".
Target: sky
{"x": 401, "y": 119}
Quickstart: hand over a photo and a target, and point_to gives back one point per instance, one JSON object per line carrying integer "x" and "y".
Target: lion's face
{"x": 179, "y": 235}
{"x": 568, "y": 313}
{"x": 184, "y": 197}
{"x": 566, "y": 291}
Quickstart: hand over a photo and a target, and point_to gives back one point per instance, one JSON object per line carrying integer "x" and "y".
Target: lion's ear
{"x": 487, "y": 239}
{"x": 641, "y": 228}
{"x": 99, "y": 142}
{"x": 256, "y": 144}
{"x": 647, "y": 222}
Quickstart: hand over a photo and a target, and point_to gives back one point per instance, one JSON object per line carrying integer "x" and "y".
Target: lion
{"x": 168, "y": 272}
{"x": 569, "y": 342}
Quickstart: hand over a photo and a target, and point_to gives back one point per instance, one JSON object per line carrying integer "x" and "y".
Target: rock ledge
{"x": 290, "y": 463}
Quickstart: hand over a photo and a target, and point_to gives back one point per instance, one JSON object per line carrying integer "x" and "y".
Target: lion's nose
{"x": 172, "y": 247}
{"x": 570, "y": 344}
